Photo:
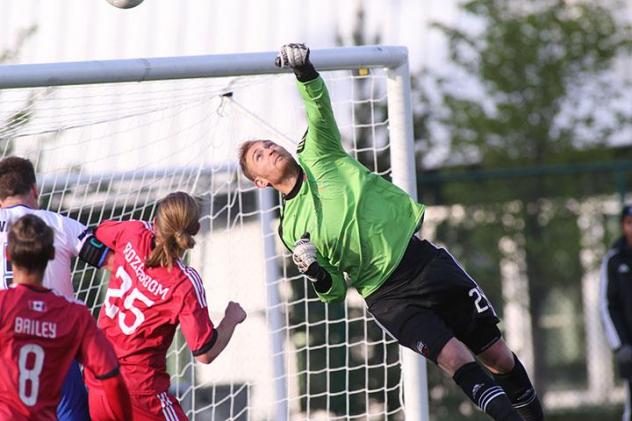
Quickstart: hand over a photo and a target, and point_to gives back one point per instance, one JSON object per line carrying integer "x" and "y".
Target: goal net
{"x": 112, "y": 150}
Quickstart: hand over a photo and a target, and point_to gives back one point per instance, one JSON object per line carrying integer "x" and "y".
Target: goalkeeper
{"x": 338, "y": 217}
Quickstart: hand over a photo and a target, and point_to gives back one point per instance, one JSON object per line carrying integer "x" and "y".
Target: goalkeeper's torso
{"x": 359, "y": 222}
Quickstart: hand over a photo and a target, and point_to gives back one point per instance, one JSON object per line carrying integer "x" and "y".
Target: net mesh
{"x": 111, "y": 151}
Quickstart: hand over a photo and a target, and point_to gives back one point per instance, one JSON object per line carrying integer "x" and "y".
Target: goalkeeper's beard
{"x": 288, "y": 170}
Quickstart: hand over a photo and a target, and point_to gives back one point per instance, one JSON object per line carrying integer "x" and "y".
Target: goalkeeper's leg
{"x": 512, "y": 376}
{"x": 456, "y": 360}
{"x": 412, "y": 306}
{"x": 423, "y": 331}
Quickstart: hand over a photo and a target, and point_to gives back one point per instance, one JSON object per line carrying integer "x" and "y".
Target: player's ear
{"x": 34, "y": 192}
{"x": 7, "y": 255}
{"x": 261, "y": 182}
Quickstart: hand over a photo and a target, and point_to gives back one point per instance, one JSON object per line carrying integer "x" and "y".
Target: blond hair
{"x": 177, "y": 221}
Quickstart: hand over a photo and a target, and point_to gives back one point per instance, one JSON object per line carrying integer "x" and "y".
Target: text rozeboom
{"x": 138, "y": 266}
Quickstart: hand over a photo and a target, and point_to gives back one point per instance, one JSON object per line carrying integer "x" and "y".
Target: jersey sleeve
{"x": 3, "y": 294}
{"x": 95, "y": 352}
{"x": 338, "y": 290}
{"x": 196, "y": 325}
{"x": 611, "y": 311}
{"x": 323, "y": 137}
{"x": 75, "y": 235}
{"x": 110, "y": 232}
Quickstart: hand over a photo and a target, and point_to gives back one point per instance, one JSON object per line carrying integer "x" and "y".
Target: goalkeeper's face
{"x": 269, "y": 164}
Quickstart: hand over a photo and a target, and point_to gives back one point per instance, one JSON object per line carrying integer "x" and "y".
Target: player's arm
{"x": 83, "y": 244}
{"x": 617, "y": 332}
{"x": 91, "y": 250}
{"x": 96, "y": 354}
{"x": 233, "y": 315}
{"x": 110, "y": 232}
{"x": 117, "y": 395}
{"x": 206, "y": 341}
{"x": 322, "y": 137}
{"x": 328, "y": 283}
{"x": 611, "y": 311}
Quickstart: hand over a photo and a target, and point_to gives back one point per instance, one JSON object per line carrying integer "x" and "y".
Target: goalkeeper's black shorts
{"x": 429, "y": 299}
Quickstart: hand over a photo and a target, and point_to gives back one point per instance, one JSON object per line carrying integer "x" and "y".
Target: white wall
{"x": 70, "y": 30}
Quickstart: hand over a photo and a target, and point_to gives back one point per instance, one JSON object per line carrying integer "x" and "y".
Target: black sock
{"x": 485, "y": 393}
{"x": 518, "y": 387}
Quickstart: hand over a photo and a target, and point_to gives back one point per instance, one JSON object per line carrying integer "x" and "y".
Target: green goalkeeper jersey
{"x": 359, "y": 222}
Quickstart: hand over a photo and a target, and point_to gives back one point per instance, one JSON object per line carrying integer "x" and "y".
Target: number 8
{"x": 32, "y": 374}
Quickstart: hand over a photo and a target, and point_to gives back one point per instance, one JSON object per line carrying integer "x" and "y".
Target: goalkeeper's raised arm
{"x": 322, "y": 137}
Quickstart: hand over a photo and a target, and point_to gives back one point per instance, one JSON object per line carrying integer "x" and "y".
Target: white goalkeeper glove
{"x": 304, "y": 254}
{"x": 292, "y": 56}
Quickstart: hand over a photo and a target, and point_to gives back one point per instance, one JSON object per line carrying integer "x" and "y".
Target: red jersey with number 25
{"x": 143, "y": 307}
{"x": 41, "y": 333}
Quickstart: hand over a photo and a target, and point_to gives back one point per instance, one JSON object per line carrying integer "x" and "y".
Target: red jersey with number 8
{"x": 41, "y": 333}
{"x": 143, "y": 307}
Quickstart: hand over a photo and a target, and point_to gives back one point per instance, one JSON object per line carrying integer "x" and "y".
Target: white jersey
{"x": 69, "y": 235}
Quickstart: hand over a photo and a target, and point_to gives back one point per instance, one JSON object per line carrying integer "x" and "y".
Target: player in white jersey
{"x": 18, "y": 197}
{"x": 70, "y": 237}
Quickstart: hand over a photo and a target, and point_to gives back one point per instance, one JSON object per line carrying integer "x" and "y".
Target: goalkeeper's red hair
{"x": 176, "y": 222}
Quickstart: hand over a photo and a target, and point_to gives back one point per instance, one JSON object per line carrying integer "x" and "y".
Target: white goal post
{"x": 28, "y": 78}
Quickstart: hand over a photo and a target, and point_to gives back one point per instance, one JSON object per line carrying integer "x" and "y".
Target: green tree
{"x": 535, "y": 85}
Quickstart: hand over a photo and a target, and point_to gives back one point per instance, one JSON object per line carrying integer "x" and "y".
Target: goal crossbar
{"x": 190, "y": 67}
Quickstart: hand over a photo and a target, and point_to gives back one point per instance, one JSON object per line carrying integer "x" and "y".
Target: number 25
{"x": 111, "y": 310}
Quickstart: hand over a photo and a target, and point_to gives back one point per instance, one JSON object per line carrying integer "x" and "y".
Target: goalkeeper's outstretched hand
{"x": 292, "y": 56}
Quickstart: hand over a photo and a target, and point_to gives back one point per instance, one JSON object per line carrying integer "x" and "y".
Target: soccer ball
{"x": 125, "y": 4}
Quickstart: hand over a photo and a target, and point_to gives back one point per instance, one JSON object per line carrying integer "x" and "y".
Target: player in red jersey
{"x": 151, "y": 291}
{"x": 42, "y": 333}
